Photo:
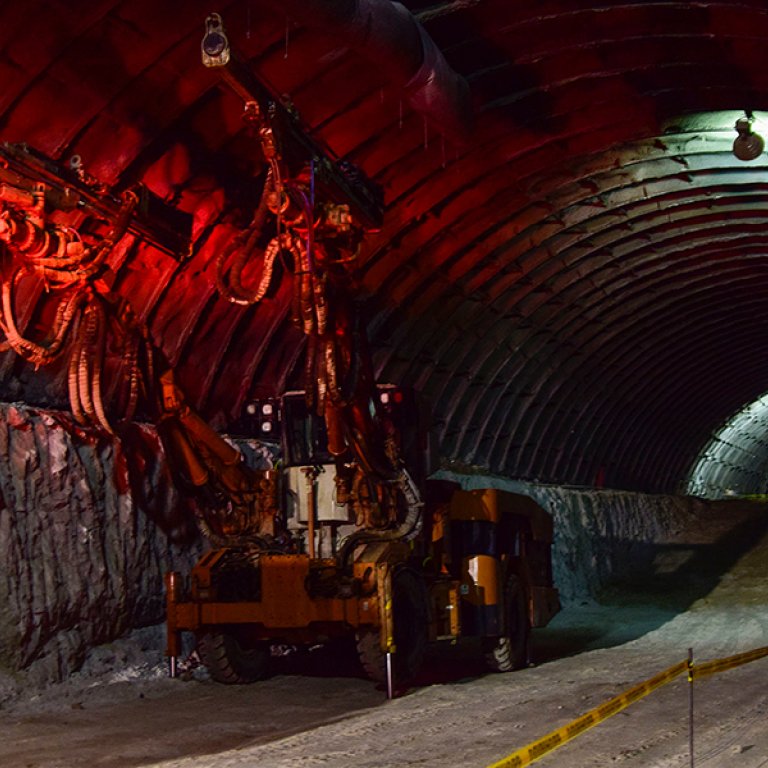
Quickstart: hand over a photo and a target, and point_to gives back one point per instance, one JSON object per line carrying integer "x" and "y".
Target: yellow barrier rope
{"x": 552, "y": 741}
{"x": 731, "y": 662}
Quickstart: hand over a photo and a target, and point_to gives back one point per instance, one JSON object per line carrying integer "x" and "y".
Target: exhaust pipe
{"x": 388, "y": 35}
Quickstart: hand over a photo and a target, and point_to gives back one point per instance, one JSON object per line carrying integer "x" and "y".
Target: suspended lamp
{"x": 747, "y": 145}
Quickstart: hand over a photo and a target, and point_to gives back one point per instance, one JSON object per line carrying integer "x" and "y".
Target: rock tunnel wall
{"x": 600, "y": 535}
{"x": 87, "y": 530}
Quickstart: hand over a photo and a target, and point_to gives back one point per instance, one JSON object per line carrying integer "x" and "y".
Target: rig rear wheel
{"x": 510, "y": 650}
{"x": 230, "y": 661}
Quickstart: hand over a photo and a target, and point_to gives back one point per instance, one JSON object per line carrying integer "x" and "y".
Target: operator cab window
{"x": 306, "y": 439}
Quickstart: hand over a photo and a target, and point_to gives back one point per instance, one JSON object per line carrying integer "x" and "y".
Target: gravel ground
{"x": 708, "y": 591}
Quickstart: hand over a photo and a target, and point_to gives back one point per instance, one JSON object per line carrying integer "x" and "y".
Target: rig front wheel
{"x": 410, "y": 617}
{"x": 228, "y": 660}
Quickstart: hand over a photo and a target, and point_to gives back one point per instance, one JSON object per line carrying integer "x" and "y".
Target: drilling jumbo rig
{"x": 345, "y": 535}
{"x": 348, "y": 536}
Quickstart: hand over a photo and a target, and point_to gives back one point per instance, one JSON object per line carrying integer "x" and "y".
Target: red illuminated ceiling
{"x": 580, "y": 290}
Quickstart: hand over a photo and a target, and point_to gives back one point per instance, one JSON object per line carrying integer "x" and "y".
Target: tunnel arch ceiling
{"x": 579, "y": 290}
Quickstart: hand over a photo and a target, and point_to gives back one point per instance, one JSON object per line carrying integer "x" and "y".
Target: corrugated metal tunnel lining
{"x": 734, "y": 461}
{"x": 579, "y": 290}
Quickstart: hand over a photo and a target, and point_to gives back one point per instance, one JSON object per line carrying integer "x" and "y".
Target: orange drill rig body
{"x": 395, "y": 562}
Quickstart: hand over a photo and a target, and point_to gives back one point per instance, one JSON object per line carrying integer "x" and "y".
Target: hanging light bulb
{"x": 747, "y": 145}
{"x": 215, "y": 45}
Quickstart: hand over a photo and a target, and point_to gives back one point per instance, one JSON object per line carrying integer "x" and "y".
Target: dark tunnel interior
{"x": 570, "y": 266}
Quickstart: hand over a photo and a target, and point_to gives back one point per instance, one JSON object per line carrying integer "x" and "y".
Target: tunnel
{"x": 548, "y": 220}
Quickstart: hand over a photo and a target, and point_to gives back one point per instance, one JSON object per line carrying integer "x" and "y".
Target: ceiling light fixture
{"x": 747, "y": 145}
{"x": 215, "y": 45}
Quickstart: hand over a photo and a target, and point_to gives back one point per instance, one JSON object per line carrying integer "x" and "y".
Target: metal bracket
{"x": 70, "y": 189}
{"x": 338, "y": 180}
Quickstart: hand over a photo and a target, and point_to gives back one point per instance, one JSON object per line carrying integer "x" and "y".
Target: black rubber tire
{"x": 410, "y": 615}
{"x": 372, "y": 658}
{"x": 230, "y": 662}
{"x": 510, "y": 650}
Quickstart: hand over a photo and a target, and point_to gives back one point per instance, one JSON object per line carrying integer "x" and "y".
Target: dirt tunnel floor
{"x": 709, "y": 591}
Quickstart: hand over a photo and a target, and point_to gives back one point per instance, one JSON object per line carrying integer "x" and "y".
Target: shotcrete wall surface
{"x": 600, "y": 535}
{"x": 88, "y": 526}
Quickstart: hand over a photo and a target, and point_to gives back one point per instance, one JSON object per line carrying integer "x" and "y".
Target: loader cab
{"x": 304, "y": 436}
{"x": 319, "y": 506}
{"x": 295, "y": 434}
{"x": 300, "y": 435}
